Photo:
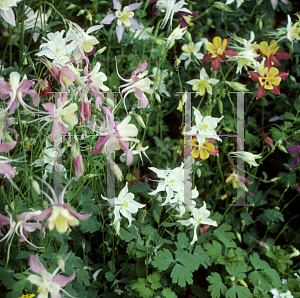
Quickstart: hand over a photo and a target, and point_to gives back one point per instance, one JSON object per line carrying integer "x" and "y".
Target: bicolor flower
{"x": 204, "y": 83}
{"x": 271, "y": 52}
{"x": 16, "y": 90}
{"x": 269, "y": 79}
{"x": 247, "y": 156}
{"x": 60, "y": 215}
{"x": 137, "y": 84}
{"x": 217, "y": 51}
{"x": 46, "y": 282}
{"x": 44, "y": 88}
{"x": 64, "y": 117}
{"x": 202, "y": 148}
{"x": 7, "y": 12}
{"x": 123, "y": 17}
{"x": 188, "y": 49}
{"x": 200, "y": 216}
{"x": 118, "y": 135}
{"x": 124, "y": 204}
{"x": 294, "y": 150}
{"x": 22, "y": 228}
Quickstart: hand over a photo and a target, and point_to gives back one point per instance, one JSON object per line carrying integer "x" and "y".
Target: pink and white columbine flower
{"x": 64, "y": 117}
{"x": 137, "y": 84}
{"x": 16, "y": 90}
{"x": 123, "y": 17}
{"x": 47, "y": 282}
{"x": 60, "y": 215}
{"x": 22, "y": 228}
{"x": 122, "y": 132}
{"x": 7, "y": 12}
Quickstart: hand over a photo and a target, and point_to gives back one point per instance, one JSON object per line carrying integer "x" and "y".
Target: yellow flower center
{"x": 57, "y": 50}
{"x": 139, "y": 146}
{"x": 199, "y": 220}
{"x": 125, "y": 204}
{"x": 268, "y": 78}
{"x": 158, "y": 79}
{"x": 172, "y": 181}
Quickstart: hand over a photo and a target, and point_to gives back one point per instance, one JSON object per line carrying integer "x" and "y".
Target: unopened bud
{"x": 101, "y": 50}
{"x": 35, "y": 186}
{"x": 157, "y": 97}
{"x": 243, "y": 283}
{"x": 61, "y": 263}
{"x": 188, "y": 36}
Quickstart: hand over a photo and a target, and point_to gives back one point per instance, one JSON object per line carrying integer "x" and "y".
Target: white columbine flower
{"x": 247, "y": 53}
{"x": 205, "y": 126}
{"x": 170, "y": 7}
{"x": 200, "y": 216}
{"x": 175, "y": 35}
{"x": 84, "y": 41}
{"x": 247, "y": 156}
{"x": 277, "y": 294}
{"x": 158, "y": 83}
{"x": 203, "y": 83}
{"x": 124, "y": 204}
{"x": 188, "y": 49}
{"x": 50, "y": 158}
{"x": 172, "y": 180}
{"x": 182, "y": 197}
{"x": 56, "y": 47}
{"x": 139, "y": 149}
{"x": 35, "y": 20}
{"x": 146, "y": 34}
{"x": 7, "y": 12}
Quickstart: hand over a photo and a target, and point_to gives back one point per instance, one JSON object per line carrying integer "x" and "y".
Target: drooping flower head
{"x": 46, "y": 282}
{"x": 294, "y": 150}
{"x": 60, "y": 215}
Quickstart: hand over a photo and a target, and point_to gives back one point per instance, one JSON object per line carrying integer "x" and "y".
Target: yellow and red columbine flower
{"x": 217, "y": 52}
{"x": 271, "y": 52}
{"x": 202, "y": 151}
{"x": 269, "y": 79}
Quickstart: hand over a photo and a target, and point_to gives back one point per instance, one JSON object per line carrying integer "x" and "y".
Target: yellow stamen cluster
{"x": 27, "y": 296}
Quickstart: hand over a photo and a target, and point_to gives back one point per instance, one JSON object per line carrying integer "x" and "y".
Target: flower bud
{"x": 179, "y": 108}
{"x": 78, "y": 165}
{"x": 237, "y": 86}
{"x": 35, "y": 185}
{"x": 188, "y": 36}
{"x": 101, "y": 50}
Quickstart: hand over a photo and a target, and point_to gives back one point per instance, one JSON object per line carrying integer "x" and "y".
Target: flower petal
{"x": 35, "y": 265}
